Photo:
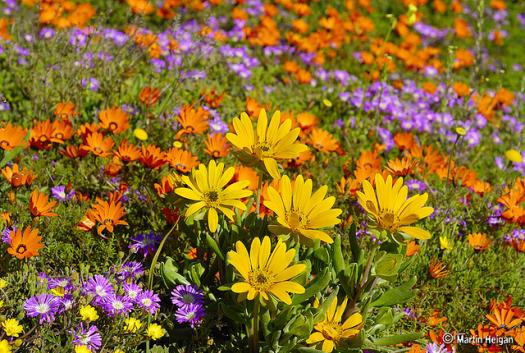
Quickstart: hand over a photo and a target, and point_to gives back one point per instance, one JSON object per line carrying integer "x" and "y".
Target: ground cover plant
{"x": 262, "y": 176}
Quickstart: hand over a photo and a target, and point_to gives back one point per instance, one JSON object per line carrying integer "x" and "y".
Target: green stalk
{"x": 152, "y": 270}
{"x": 254, "y": 342}
{"x": 259, "y": 192}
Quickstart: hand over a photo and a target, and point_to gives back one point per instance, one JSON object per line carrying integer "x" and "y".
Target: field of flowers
{"x": 262, "y": 176}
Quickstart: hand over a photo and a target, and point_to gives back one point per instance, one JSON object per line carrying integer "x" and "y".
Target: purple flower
{"x": 59, "y": 193}
{"x": 185, "y": 295}
{"x": 117, "y": 305}
{"x": 44, "y": 306}
{"x": 88, "y": 336}
{"x": 145, "y": 243}
{"x": 60, "y": 282}
{"x": 6, "y": 234}
{"x": 130, "y": 270}
{"x": 47, "y": 33}
{"x": 192, "y": 314}
{"x": 149, "y": 301}
{"x": 217, "y": 125}
{"x": 132, "y": 291}
{"x": 416, "y": 185}
{"x": 66, "y": 303}
{"x": 99, "y": 287}
{"x": 436, "y": 348}
{"x": 90, "y": 83}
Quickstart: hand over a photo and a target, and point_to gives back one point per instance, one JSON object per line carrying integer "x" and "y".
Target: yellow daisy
{"x": 207, "y": 186}
{"x": 331, "y": 331}
{"x": 263, "y": 273}
{"x": 390, "y": 209}
{"x": 266, "y": 143}
{"x": 300, "y": 212}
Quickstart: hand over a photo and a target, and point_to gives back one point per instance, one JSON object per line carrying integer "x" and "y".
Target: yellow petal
{"x": 213, "y": 219}
{"x": 416, "y": 232}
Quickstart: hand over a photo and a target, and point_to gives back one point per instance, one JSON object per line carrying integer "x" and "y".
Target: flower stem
{"x": 152, "y": 269}
{"x": 259, "y": 192}
{"x": 254, "y": 342}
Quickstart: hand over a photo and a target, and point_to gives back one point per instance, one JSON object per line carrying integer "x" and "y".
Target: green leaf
{"x": 396, "y": 339}
{"x": 339, "y": 262}
{"x": 308, "y": 350}
{"x": 10, "y": 155}
{"x": 214, "y": 246}
{"x": 397, "y": 295}
{"x": 170, "y": 275}
{"x": 316, "y": 286}
{"x": 323, "y": 255}
{"x": 388, "y": 265}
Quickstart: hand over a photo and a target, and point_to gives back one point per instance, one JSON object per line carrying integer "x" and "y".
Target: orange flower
{"x": 217, "y": 146}
{"x": 182, "y": 160}
{"x": 127, "y": 152}
{"x": 152, "y": 157}
{"x": 39, "y": 205}
{"x": 307, "y": 121}
{"x": 461, "y": 89}
{"x": 461, "y": 28}
{"x": 141, "y": 7}
{"x": 4, "y": 29}
{"x": 503, "y": 319}
{"x": 438, "y": 269}
{"x": 464, "y": 58}
{"x": 247, "y": 173}
{"x": 88, "y": 222}
{"x": 73, "y": 152}
{"x": 435, "y": 320}
{"x": 98, "y": 144}
{"x": 412, "y": 248}
{"x": 416, "y": 348}
{"x": 479, "y": 241}
{"x": 193, "y": 121}
{"x": 25, "y": 245}
{"x": 149, "y": 96}
{"x": 12, "y": 136}
{"x": 166, "y": 185}
{"x": 323, "y": 141}
{"x": 40, "y": 135}
{"x": 65, "y": 110}
{"x": 401, "y": 167}
{"x": 114, "y": 119}
{"x": 108, "y": 214}
{"x": 18, "y": 177}
{"x": 404, "y": 140}
{"x": 213, "y": 99}
{"x": 62, "y": 131}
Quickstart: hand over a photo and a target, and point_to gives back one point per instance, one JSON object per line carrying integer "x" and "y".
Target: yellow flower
{"x": 141, "y": 134}
{"x": 461, "y": 131}
{"x": 331, "y": 331}
{"x": 411, "y": 14}
{"x": 118, "y": 350}
{"x": 390, "y": 209}
{"x": 1, "y": 303}
{"x": 300, "y": 212}
{"x": 264, "y": 273}
{"x": 513, "y": 156}
{"x": 5, "y": 347}
{"x": 445, "y": 243}
{"x": 132, "y": 324}
{"x": 327, "y": 103}
{"x": 207, "y": 188}
{"x": 3, "y": 283}
{"x": 88, "y": 313}
{"x": 58, "y": 291}
{"x": 177, "y": 144}
{"x": 12, "y": 327}
{"x": 266, "y": 143}
{"x": 82, "y": 349}
{"x": 155, "y": 331}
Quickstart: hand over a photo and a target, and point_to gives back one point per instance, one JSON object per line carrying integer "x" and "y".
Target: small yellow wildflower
{"x": 177, "y": 144}
{"x": 132, "y": 324}
{"x": 155, "y": 331}
{"x": 141, "y": 134}
{"x": 118, "y": 350}
{"x": 82, "y": 349}
{"x": 327, "y": 103}
{"x": 445, "y": 243}
{"x": 513, "y": 156}
{"x": 88, "y": 313}
{"x": 412, "y": 11}
{"x": 5, "y": 347}
{"x": 461, "y": 131}
{"x": 12, "y": 327}
{"x": 3, "y": 283}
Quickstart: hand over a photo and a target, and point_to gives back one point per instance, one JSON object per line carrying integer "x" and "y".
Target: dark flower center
{"x": 21, "y": 249}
